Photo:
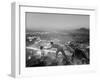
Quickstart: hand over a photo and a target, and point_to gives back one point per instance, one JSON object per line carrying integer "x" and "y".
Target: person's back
{"x": 60, "y": 49}
{"x": 79, "y": 54}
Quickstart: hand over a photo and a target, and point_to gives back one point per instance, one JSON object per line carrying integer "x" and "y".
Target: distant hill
{"x": 80, "y": 35}
{"x": 83, "y": 30}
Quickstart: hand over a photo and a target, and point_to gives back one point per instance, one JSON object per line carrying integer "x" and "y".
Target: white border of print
{"x": 18, "y": 41}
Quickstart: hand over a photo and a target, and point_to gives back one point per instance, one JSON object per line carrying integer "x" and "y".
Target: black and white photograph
{"x": 54, "y": 39}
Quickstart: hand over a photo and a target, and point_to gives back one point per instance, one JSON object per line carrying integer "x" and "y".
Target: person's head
{"x": 51, "y": 43}
{"x": 41, "y": 47}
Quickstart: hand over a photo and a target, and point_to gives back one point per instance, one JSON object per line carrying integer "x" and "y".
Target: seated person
{"x": 60, "y": 49}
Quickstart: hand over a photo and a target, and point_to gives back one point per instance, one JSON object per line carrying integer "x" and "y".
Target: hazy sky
{"x": 47, "y": 21}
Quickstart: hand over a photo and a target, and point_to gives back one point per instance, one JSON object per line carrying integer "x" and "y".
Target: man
{"x": 42, "y": 53}
{"x": 78, "y": 53}
{"x": 60, "y": 49}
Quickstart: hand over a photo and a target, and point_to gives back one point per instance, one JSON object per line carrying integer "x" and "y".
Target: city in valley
{"x": 54, "y": 48}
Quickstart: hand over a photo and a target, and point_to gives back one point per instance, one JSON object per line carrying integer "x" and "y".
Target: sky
{"x": 52, "y": 22}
